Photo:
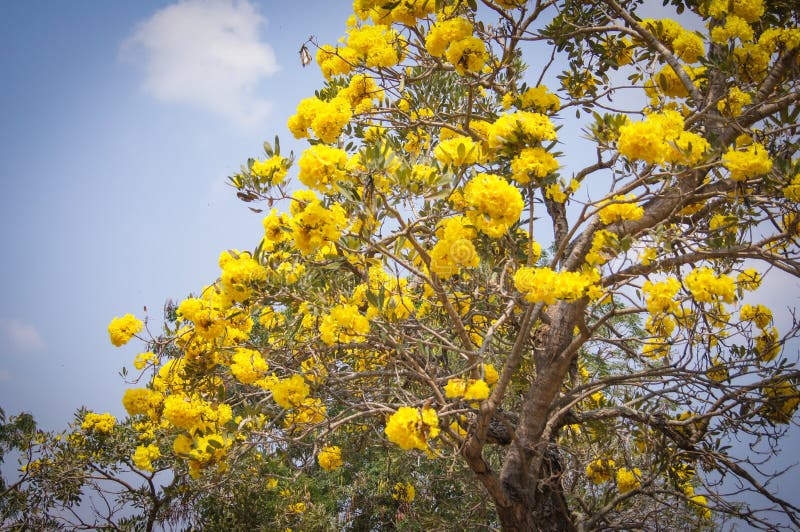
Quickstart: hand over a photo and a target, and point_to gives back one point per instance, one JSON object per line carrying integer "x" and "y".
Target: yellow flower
{"x": 411, "y": 428}
{"x": 620, "y": 209}
{"x": 404, "y": 492}
{"x": 750, "y": 162}
{"x": 322, "y": 167}
{"x": 273, "y": 170}
{"x": 759, "y": 314}
{"x": 628, "y": 479}
{"x": 99, "y": 423}
{"x": 120, "y": 330}
{"x": 768, "y": 344}
{"x": 445, "y": 32}
{"x": 344, "y": 324}
{"x": 532, "y": 162}
{"x": 545, "y": 285}
{"x": 661, "y": 296}
{"x": 521, "y": 127}
{"x": 141, "y": 401}
{"x": 708, "y": 287}
{"x": 142, "y": 359}
{"x": 493, "y": 204}
{"x": 538, "y": 99}
{"x": 600, "y": 470}
{"x": 490, "y": 374}
{"x": 291, "y": 392}
{"x": 467, "y": 54}
{"x": 144, "y": 455}
{"x": 458, "y": 151}
{"x": 700, "y": 505}
{"x": 248, "y": 365}
{"x": 297, "y": 508}
{"x": 749, "y": 279}
{"x": 330, "y": 458}
{"x": 781, "y": 399}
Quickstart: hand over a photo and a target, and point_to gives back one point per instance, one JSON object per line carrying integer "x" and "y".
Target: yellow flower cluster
{"x": 310, "y": 411}
{"x": 669, "y": 83}
{"x": 538, "y": 99}
{"x": 781, "y": 399}
{"x": 322, "y": 167}
{"x": 620, "y": 209}
{"x": 628, "y": 479}
{"x": 403, "y": 492}
{"x": 455, "y": 249}
{"x": 141, "y": 401}
{"x": 758, "y": 314}
{"x": 209, "y": 322}
{"x": 660, "y": 138}
{"x": 467, "y": 55}
{"x": 557, "y": 192}
{"x": 144, "y": 455}
{"x": 546, "y": 286}
{"x": 336, "y": 61}
{"x": 360, "y": 93}
{"x": 749, "y": 10}
{"x": 330, "y": 458}
{"x": 239, "y": 273}
{"x": 661, "y": 296}
{"x": 444, "y": 33}
{"x": 520, "y": 128}
{"x": 376, "y": 46}
{"x": 326, "y": 119}
{"x": 685, "y": 44}
{"x": 275, "y": 230}
{"x": 313, "y": 225}
{"x": 708, "y": 287}
{"x": 749, "y": 279}
{"x": 143, "y": 359}
{"x": 344, "y": 324}
{"x": 532, "y": 162}
{"x": 120, "y": 330}
{"x": 271, "y": 171}
{"x": 291, "y": 392}
{"x": 412, "y": 428}
{"x": 381, "y": 12}
{"x": 493, "y": 204}
{"x": 792, "y": 190}
{"x": 735, "y": 27}
{"x": 700, "y": 506}
{"x": 247, "y": 365}
{"x": 458, "y": 151}
{"x": 768, "y": 344}
{"x": 99, "y": 423}
{"x": 194, "y": 414}
{"x": 734, "y": 102}
{"x": 469, "y": 389}
{"x": 604, "y": 247}
{"x": 752, "y": 161}
{"x": 600, "y": 470}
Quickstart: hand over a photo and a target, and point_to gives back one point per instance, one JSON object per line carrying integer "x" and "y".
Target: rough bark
{"x": 527, "y": 492}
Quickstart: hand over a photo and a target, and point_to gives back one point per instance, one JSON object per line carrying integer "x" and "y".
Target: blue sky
{"x": 119, "y": 123}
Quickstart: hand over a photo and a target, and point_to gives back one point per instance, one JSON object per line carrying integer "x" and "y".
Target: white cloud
{"x": 21, "y": 336}
{"x": 208, "y": 54}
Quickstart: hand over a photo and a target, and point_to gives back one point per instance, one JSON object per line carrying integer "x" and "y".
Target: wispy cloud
{"x": 21, "y": 336}
{"x": 208, "y": 54}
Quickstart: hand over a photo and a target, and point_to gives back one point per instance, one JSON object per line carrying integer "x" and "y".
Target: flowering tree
{"x": 447, "y": 291}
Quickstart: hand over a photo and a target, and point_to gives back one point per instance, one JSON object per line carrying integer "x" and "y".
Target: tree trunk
{"x": 532, "y": 470}
{"x": 541, "y": 508}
